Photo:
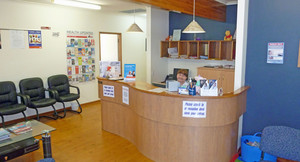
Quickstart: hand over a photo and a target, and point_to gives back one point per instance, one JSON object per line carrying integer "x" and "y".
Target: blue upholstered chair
{"x": 281, "y": 141}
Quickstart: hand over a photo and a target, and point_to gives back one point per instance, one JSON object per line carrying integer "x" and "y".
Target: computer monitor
{"x": 175, "y": 70}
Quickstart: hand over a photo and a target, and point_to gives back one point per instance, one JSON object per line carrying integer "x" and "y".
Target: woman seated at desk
{"x": 182, "y": 77}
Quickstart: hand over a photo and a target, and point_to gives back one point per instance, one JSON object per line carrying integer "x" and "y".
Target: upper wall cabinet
{"x": 208, "y": 49}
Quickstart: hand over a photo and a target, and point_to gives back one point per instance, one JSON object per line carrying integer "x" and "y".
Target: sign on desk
{"x": 125, "y": 95}
{"x": 108, "y": 91}
{"x": 194, "y": 109}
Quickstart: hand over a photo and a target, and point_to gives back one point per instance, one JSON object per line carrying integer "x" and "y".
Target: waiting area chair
{"x": 60, "y": 84}
{"x": 281, "y": 141}
{"x": 34, "y": 89}
{"x": 8, "y": 101}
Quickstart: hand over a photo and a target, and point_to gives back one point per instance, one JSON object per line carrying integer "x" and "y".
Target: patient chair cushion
{"x": 281, "y": 141}
{"x": 43, "y": 102}
{"x": 59, "y": 83}
{"x": 33, "y": 87}
{"x": 68, "y": 97}
{"x": 12, "y": 109}
{"x": 8, "y": 95}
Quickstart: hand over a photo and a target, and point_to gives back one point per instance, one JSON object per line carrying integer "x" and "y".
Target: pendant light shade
{"x": 193, "y": 27}
{"x": 134, "y": 28}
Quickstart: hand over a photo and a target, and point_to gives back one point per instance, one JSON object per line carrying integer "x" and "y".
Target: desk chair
{"x": 34, "y": 89}
{"x": 281, "y": 141}
{"x": 8, "y": 101}
{"x": 60, "y": 84}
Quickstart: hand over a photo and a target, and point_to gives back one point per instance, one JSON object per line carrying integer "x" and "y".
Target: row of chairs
{"x": 32, "y": 94}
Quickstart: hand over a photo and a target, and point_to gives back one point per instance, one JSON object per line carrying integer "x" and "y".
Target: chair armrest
{"x": 52, "y": 93}
{"x": 25, "y": 99}
{"x": 78, "y": 91}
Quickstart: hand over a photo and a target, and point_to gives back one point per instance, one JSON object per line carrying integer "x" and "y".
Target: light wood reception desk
{"x": 154, "y": 122}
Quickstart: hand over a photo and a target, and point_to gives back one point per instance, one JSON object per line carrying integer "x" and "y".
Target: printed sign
{"x": 194, "y": 109}
{"x": 275, "y": 52}
{"x": 129, "y": 72}
{"x": 125, "y": 95}
{"x": 35, "y": 38}
{"x": 108, "y": 91}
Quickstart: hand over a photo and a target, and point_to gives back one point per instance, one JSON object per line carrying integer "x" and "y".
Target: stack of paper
{"x": 4, "y": 134}
{"x": 20, "y": 128}
{"x": 173, "y": 52}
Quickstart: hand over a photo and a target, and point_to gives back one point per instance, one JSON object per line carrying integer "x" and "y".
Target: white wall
{"x": 16, "y": 64}
{"x": 159, "y": 30}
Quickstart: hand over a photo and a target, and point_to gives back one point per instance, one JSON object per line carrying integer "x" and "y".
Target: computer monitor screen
{"x": 175, "y": 70}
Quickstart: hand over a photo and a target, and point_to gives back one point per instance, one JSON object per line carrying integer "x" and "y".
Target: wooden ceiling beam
{"x": 210, "y": 9}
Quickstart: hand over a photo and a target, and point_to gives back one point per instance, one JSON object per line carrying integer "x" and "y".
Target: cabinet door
{"x": 228, "y": 81}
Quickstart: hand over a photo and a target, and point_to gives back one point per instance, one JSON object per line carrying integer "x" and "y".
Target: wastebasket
{"x": 253, "y": 153}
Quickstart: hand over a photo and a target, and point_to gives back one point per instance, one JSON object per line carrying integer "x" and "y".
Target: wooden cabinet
{"x": 225, "y": 77}
{"x": 212, "y": 49}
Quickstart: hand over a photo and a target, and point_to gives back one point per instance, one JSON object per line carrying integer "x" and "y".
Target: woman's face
{"x": 181, "y": 78}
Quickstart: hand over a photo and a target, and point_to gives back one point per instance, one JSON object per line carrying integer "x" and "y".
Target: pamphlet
{"x": 129, "y": 72}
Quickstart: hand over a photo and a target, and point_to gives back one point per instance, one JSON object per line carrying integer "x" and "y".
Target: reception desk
{"x": 154, "y": 121}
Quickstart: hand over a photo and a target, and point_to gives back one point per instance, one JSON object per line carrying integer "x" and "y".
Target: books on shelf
{"x": 4, "y": 134}
{"x": 20, "y": 128}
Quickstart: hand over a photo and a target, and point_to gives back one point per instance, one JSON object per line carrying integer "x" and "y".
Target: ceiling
{"x": 121, "y": 5}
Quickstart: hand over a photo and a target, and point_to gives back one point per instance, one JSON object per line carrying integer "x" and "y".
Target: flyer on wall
{"x": 35, "y": 38}
{"x": 129, "y": 72}
{"x": 275, "y": 52}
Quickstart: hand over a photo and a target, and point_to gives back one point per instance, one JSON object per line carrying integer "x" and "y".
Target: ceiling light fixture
{"x": 193, "y": 27}
{"x": 134, "y": 28}
{"x": 77, "y": 4}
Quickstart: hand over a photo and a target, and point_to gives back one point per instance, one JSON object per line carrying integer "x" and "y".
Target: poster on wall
{"x": 17, "y": 39}
{"x": 35, "y": 38}
{"x": 129, "y": 72}
{"x": 275, "y": 52}
{"x": 80, "y": 51}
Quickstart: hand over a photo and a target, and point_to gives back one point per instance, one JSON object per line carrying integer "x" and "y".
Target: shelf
{"x": 211, "y": 49}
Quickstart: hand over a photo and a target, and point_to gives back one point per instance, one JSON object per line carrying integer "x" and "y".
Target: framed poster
{"x": 275, "y": 52}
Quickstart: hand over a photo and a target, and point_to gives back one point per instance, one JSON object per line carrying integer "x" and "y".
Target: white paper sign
{"x": 194, "y": 109}
{"x": 17, "y": 39}
{"x": 125, "y": 95}
{"x": 108, "y": 91}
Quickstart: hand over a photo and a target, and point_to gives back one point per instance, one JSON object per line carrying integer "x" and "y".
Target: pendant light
{"x": 193, "y": 27}
{"x": 134, "y": 28}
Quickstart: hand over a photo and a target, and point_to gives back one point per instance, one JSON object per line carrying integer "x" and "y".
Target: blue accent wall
{"x": 274, "y": 96}
{"x": 215, "y": 30}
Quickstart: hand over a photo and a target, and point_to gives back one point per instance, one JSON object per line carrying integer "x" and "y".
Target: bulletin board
{"x": 80, "y": 56}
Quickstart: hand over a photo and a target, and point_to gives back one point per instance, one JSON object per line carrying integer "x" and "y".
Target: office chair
{"x": 281, "y": 141}
{"x": 34, "y": 89}
{"x": 60, "y": 84}
{"x": 8, "y": 101}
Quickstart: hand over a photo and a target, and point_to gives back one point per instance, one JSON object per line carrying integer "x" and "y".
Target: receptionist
{"x": 182, "y": 77}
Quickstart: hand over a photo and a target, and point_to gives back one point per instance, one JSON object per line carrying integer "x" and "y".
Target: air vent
{"x": 138, "y": 10}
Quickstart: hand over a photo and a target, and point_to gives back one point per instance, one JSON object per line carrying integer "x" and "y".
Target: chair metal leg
{"x": 37, "y": 114}
{"x": 3, "y": 124}
{"x": 24, "y": 115}
{"x": 63, "y": 110}
{"x": 55, "y": 112}
{"x": 80, "y": 109}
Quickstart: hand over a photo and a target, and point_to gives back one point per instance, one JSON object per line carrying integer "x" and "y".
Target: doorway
{"x": 110, "y": 47}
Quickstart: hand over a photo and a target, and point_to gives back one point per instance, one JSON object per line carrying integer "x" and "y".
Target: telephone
{"x": 168, "y": 77}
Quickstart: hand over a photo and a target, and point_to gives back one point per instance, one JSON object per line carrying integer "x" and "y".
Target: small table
{"x": 38, "y": 128}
